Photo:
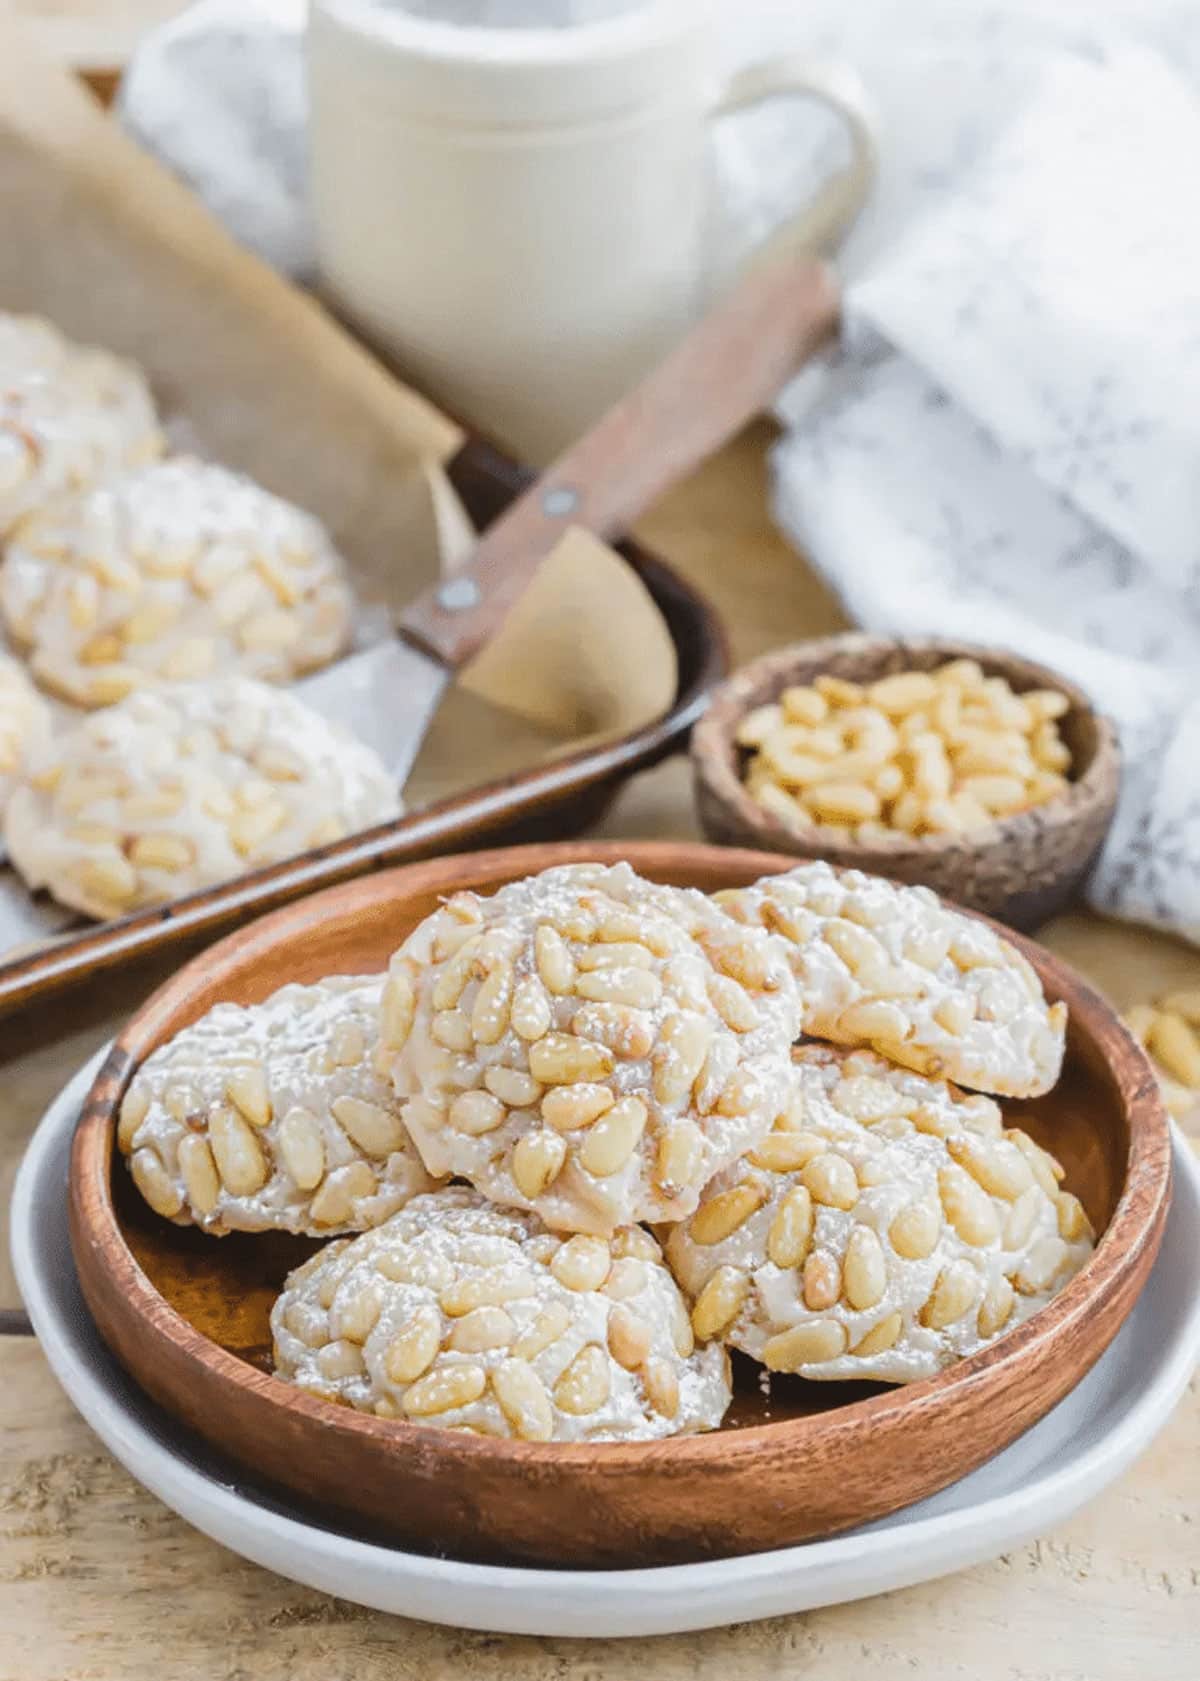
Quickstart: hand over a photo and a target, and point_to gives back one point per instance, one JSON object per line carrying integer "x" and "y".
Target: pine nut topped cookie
{"x": 181, "y": 570}
{"x": 271, "y": 1117}
{"x": 587, "y": 1044}
{"x": 184, "y": 786}
{"x": 69, "y": 416}
{"x": 459, "y": 1314}
{"x": 895, "y": 969}
{"x": 24, "y": 724}
{"x": 888, "y": 1226}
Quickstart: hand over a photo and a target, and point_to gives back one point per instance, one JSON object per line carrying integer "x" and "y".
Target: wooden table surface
{"x": 99, "y": 1582}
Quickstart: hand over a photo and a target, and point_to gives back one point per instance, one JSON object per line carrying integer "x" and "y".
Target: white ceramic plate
{"x": 1087, "y": 1441}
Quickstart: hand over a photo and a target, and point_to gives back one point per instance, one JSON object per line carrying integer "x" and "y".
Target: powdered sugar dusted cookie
{"x": 270, "y": 1117}
{"x": 588, "y": 1045}
{"x": 180, "y": 787}
{"x": 889, "y": 1226}
{"x": 68, "y": 417}
{"x": 893, "y": 968}
{"x": 460, "y": 1314}
{"x": 24, "y": 724}
{"x": 180, "y": 570}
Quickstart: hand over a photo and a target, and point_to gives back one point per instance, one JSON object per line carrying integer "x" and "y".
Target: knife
{"x": 728, "y": 368}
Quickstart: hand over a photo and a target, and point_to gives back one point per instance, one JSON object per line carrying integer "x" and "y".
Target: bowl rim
{"x": 1136, "y": 1223}
{"x": 714, "y": 752}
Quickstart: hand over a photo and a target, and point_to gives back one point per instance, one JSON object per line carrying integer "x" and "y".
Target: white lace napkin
{"x": 1007, "y": 446}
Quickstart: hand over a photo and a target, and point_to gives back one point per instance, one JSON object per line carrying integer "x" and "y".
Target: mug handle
{"x": 821, "y": 224}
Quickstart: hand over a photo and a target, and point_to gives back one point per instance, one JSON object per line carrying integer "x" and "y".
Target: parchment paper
{"x": 102, "y": 240}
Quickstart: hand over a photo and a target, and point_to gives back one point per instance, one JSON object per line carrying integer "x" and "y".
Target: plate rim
{"x": 933, "y": 1545}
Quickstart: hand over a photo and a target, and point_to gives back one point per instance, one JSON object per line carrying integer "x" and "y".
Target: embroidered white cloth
{"x": 1007, "y": 445}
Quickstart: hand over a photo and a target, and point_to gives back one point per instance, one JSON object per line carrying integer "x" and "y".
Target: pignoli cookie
{"x": 270, "y": 1117}
{"x": 24, "y": 724}
{"x": 888, "y": 1226}
{"x": 181, "y": 570}
{"x": 184, "y": 786}
{"x": 895, "y": 969}
{"x": 466, "y": 1316}
{"x": 69, "y": 416}
{"x": 588, "y": 1045}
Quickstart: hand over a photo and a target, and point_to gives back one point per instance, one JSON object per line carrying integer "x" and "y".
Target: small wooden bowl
{"x": 1021, "y": 869}
{"x": 188, "y": 1314}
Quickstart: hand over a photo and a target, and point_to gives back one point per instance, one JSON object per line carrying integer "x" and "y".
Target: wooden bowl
{"x": 1021, "y": 869}
{"x": 187, "y": 1314}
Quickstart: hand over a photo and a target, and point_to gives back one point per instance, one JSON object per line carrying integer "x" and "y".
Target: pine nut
{"x": 967, "y": 1207}
{"x": 354, "y": 1318}
{"x": 784, "y": 1152}
{"x": 463, "y": 1295}
{"x": 567, "y": 1107}
{"x": 584, "y": 1385}
{"x": 1172, "y": 1042}
{"x": 954, "y": 1294}
{"x": 340, "y": 1359}
{"x": 397, "y": 1009}
{"x": 481, "y": 1329}
{"x": 249, "y": 830}
{"x": 955, "y": 1013}
{"x": 611, "y": 1141}
{"x": 662, "y": 1386}
{"x": 996, "y": 1308}
{"x": 546, "y": 1329}
{"x": 720, "y": 1302}
{"x": 531, "y": 1016}
{"x": 135, "y": 1106}
{"x": 811, "y": 1344}
{"x": 683, "y": 1045}
{"x": 915, "y": 1230}
{"x": 800, "y": 705}
{"x": 412, "y": 1350}
{"x": 239, "y": 1157}
{"x": 475, "y": 1113}
{"x": 1041, "y": 1266}
{"x": 452, "y": 1029}
{"x": 680, "y": 1155}
{"x": 333, "y": 1204}
{"x": 376, "y": 1131}
{"x": 627, "y": 1278}
{"x": 491, "y": 1011}
{"x": 1046, "y": 1170}
{"x": 155, "y": 1184}
{"x": 1073, "y": 1222}
{"x": 1000, "y": 1169}
{"x": 880, "y": 1337}
{"x": 628, "y": 1337}
{"x": 627, "y": 1033}
{"x": 830, "y": 1179}
{"x": 561, "y": 1059}
{"x": 247, "y": 1090}
{"x": 554, "y": 962}
{"x": 582, "y": 1263}
{"x": 200, "y": 1178}
{"x": 791, "y": 1229}
{"x": 301, "y": 1148}
{"x": 537, "y": 1160}
{"x": 109, "y": 882}
{"x": 450, "y": 985}
{"x": 443, "y": 1390}
{"x": 822, "y": 1284}
{"x": 637, "y": 988}
{"x": 864, "y": 1269}
{"x": 511, "y": 1086}
{"x": 721, "y": 1215}
{"x": 523, "y": 1400}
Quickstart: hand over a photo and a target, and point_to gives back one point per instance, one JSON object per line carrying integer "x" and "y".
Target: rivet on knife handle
{"x": 730, "y": 366}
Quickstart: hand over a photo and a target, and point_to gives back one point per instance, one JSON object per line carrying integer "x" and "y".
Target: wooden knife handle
{"x": 728, "y": 368}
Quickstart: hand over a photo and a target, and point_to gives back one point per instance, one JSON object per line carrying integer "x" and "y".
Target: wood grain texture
{"x": 161, "y": 1297}
{"x": 1023, "y": 869}
{"x": 728, "y": 368}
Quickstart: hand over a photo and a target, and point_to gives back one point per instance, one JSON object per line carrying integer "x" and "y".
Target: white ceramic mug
{"x": 520, "y": 217}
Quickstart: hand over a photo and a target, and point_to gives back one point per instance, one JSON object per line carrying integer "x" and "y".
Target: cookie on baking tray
{"x": 270, "y": 1117}
{"x": 181, "y": 570}
{"x": 464, "y": 1315}
{"x": 69, "y": 416}
{"x": 588, "y": 1045}
{"x": 186, "y": 785}
{"x": 24, "y": 724}
{"x": 889, "y": 1225}
{"x": 895, "y": 969}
